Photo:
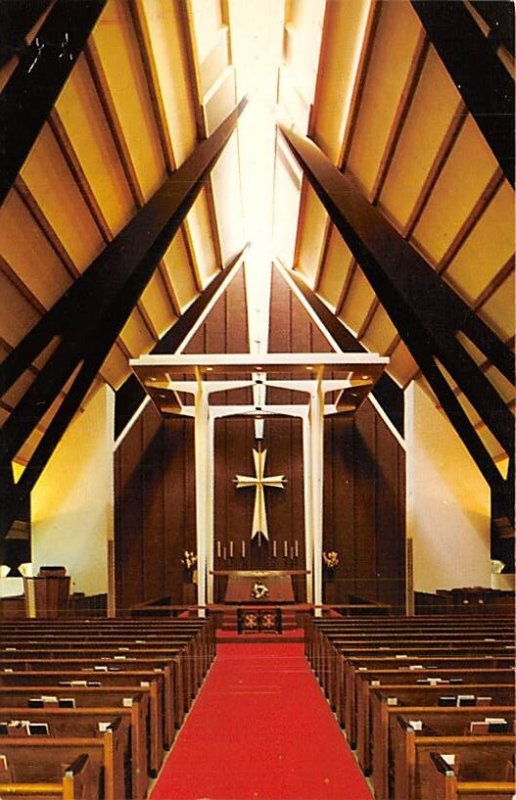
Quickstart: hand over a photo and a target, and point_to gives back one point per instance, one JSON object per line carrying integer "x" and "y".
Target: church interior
{"x": 257, "y": 389}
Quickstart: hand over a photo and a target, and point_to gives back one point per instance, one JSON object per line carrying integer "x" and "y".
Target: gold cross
{"x": 258, "y": 482}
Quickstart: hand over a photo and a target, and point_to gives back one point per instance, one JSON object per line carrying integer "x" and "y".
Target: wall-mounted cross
{"x": 258, "y": 482}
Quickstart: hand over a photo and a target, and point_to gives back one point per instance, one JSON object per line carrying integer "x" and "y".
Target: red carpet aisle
{"x": 260, "y": 728}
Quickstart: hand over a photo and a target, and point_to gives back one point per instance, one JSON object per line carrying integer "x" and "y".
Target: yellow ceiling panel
{"x": 504, "y": 387}
{"x": 435, "y": 102}
{"x": 303, "y": 43}
{"x": 457, "y": 190}
{"x": 17, "y": 315}
{"x": 402, "y": 366}
{"x": 207, "y": 19}
{"x": 393, "y": 51}
{"x": 18, "y": 389}
{"x": 136, "y": 336}
{"x": 487, "y": 249}
{"x": 115, "y": 368}
{"x": 219, "y": 103}
{"x": 201, "y": 233}
{"x": 216, "y": 61}
{"x": 498, "y": 311}
{"x": 28, "y": 252}
{"x": 225, "y": 181}
{"x": 82, "y": 116}
{"x": 163, "y": 31}
{"x": 336, "y": 268}
{"x": 157, "y": 305}
{"x": 53, "y": 186}
{"x": 344, "y": 30}
{"x": 292, "y": 106}
{"x": 177, "y": 265}
{"x": 357, "y": 301}
{"x": 27, "y": 449}
{"x": 380, "y": 333}
{"x": 117, "y": 49}
{"x": 313, "y": 221}
{"x": 7, "y": 70}
{"x": 287, "y": 197}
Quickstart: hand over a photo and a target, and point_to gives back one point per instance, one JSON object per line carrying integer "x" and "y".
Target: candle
{"x": 285, "y": 548}
{"x": 292, "y": 553}
{"x": 225, "y": 553}
{"x": 274, "y": 549}
{"x": 296, "y": 549}
{"x": 231, "y": 549}
{"x": 243, "y": 549}
{"x": 219, "y": 549}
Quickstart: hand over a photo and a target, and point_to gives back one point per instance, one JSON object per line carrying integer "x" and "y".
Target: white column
{"x": 307, "y": 483}
{"x": 210, "y": 489}
{"x": 202, "y": 446}
{"x": 317, "y": 463}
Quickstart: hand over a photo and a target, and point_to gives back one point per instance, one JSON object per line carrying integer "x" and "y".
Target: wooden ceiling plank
{"x": 14, "y": 278}
{"x": 493, "y": 285}
{"x": 34, "y": 86}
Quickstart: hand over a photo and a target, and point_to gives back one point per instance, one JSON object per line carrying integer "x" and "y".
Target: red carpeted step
{"x": 260, "y": 729}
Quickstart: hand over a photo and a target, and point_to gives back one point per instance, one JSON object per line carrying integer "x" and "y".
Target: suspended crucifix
{"x": 259, "y": 482}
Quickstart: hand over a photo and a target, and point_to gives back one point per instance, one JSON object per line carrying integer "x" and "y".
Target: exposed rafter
{"x": 479, "y": 74}
{"x": 89, "y": 317}
{"x": 425, "y": 310}
{"x": 33, "y": 88}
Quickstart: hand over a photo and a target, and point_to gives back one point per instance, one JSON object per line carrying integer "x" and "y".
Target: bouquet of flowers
{"x": 330, "y": 559}
{"x": 189, "y": 560}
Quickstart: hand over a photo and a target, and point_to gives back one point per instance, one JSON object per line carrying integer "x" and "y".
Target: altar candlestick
{"x": 219, "y": 549}
{"x": 243, "y": 549}
{"x": 285, "y": 548}
{"x": 296, "y": 549}
{"x": 231, "y": 549}
{"x": 274, "y": 549}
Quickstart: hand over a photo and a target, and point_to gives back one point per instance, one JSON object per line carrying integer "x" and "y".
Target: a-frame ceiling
{"x": 361, "y": 78}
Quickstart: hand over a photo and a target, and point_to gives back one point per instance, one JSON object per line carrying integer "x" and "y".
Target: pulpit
{"x": 47, "y": 595}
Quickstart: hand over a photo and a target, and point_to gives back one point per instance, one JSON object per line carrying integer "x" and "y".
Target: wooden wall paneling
{"x": 365, "y": 512}
{"x": 339, "y": 528}
{"x": 178, "y": 501}
{"x": 389, "y": 532}
{"x": 129, "y": 517}
{"x": 153, "y": 531}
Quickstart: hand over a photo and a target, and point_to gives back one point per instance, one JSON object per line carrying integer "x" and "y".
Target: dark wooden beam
{"x": 483, "y": 81}
{"x": 131, "y": 394}
{"x": 426, "y": 312}
{"x": 34, "y": 86}
{"x": 16, "y": 21}
{"x": 89, "y": 317}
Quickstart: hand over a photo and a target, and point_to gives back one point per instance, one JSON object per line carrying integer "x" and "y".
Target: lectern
{"x": 47, "y": 595}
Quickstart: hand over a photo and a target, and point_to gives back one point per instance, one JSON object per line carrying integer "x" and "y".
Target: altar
{"x": 259, "y": 586}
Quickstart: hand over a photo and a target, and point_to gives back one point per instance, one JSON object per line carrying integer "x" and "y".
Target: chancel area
{"x": 257, "y": 399}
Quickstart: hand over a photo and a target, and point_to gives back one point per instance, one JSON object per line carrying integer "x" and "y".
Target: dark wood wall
{"x": 364, "y": 508}
{"x": 154, "y": 508}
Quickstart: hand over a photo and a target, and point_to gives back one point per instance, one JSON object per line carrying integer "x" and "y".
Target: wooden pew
{"x": 445, "y": 783}
{"x": 79, "y": 722}
{"x": 411, "y": 757}
{"x": 77, "y": 679}
{"x": 449, "y": 680}
{"x": 436, "y": 664}
{"x": 387, "y": 703}
{"x": 34, "y": 759}
{"x": 77, "y": 782}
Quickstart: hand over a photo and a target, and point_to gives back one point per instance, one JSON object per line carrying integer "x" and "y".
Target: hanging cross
{"x": 258, "y": 482}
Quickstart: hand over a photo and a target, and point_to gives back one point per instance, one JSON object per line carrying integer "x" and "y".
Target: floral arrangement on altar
{"x": 189, "y": 560}
{"x": 330, "y": 559}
